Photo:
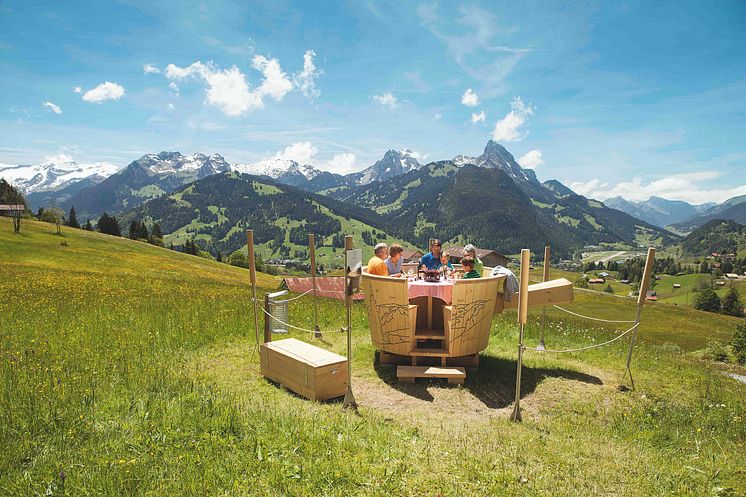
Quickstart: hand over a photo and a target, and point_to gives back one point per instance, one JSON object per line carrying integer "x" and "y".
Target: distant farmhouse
{"x": 489, "y": 257}
{"x": 412, "y": 255}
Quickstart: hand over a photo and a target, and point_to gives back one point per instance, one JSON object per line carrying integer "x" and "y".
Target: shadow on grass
{"x": 493, "y": 382}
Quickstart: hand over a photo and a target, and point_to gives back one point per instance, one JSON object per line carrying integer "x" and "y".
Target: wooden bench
{"x": 409, "y": 374}
{"x": 307, "y": 370}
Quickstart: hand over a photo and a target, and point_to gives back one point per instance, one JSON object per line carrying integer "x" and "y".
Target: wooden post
{"x": 547, "y": 253}
{"x": 647, "y": 272}
{"x": 267, "y": 320}
{"x": 349, "y": 400}
{"x": 252, "y": 278}
{"x": 312, "y": 253}
{"x": 522, "y": 318}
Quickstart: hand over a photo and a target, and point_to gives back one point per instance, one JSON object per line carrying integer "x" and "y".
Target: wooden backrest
{"x": 473, "y": 306}
{"x": 387, "y": 300}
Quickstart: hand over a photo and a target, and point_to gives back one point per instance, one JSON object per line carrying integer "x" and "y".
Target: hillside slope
{"x": 128, "y": 369}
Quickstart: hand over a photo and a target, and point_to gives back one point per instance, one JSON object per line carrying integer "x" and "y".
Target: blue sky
{"x": 633, "y": 98}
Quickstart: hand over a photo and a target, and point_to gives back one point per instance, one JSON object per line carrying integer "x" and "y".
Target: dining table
{"x": 429, "y": 290}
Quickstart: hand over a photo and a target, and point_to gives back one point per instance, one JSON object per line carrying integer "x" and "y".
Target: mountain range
{"x": 658, "y": 211}
{"x": 488, "y": 200}
{"x": 397, "y": 195}
{"x": 148, "y": 177}
{"x": 678, "y": 216}
{"x": 55, "y": 179}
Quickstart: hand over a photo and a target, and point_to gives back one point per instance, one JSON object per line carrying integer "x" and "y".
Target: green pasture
{"x": 128, "y": 369}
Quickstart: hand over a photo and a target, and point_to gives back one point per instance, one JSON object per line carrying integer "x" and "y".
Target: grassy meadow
{"x": 127, "y": 369}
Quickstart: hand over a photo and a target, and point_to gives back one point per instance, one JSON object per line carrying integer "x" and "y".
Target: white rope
{"x": 591, "y": 318}
{"x": 583, "y": 348}
{"x": 293, "y": 298}
{"x": 342, "y": 330}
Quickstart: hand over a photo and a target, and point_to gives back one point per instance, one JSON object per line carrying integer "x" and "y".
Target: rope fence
{"x": 314, "y": 332}
{"x": 567, "y": 351}
{"x": 294, "y": 298}
{"x": 590, "y": 317}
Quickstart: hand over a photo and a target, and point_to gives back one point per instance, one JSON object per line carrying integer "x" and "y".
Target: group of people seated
{"x": 387, "y": 261}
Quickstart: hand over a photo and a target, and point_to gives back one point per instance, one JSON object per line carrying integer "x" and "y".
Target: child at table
{"x": 445, "y": 260}
{"x": 469, "y": 271}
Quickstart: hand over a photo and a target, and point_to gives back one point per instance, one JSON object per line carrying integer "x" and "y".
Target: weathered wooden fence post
{"x": 349, "y": 400}
{"x": 312, "y": 253}
{"x": 646, "y": 274}
{"x": 522, "y": 318}
{"x": 252, "y": 277}
{"x": 547, "y": 252}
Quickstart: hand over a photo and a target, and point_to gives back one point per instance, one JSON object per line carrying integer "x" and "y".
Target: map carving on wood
{"x": 467, "y": 316}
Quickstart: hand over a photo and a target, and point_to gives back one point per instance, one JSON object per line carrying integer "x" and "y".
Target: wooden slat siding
{"x": 474, "y": 339}
{"x": 12, "y": 207}
{"x": 389, "y": 313}
{"x": 552, "y": 292}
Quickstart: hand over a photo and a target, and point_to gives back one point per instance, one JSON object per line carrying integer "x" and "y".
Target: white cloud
{"x": 104, "y": 91}
{"x": 469, "y": 98}
{"x": 508, "y": 129}
{"x": 60, "y": 158}
{"x": 77, "y": 89}
{"x": 170, "y": 106}
{"x": 387, "y": 100}
{"x": 275, "y": 83}
{"x": 686, "y": 187}
{"x": 174, "y": 89}
{"x": 228, "y": 90}
{"x": 473, "y": 37}
{"x": 52, "y": 107}
{"x": 150, "y": 69}
{"x": 305, "y": 80}
{"x": 341, "y": 163}
{"x": 478, "y": 118}
{"x": 300, "y": 152}
{"x": 531, "y": 160}
{"x": 437, "y": 116}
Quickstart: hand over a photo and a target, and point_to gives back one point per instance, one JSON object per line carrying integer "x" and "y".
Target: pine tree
{"x": 88, "y": 226}
{"x": 134, "y": 230}
{"x": 72, "y": 220}
{"x": 109, "y": 225}
{"x": 707, "y": 300}
{"x": 732, "y": 303}
{"x": 156, "y": 232}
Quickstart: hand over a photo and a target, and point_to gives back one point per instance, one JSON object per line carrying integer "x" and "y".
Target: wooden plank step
{"x": 429, "y": 334}
{"x": 426, "y": 352}
{"x": 410, "y": 373}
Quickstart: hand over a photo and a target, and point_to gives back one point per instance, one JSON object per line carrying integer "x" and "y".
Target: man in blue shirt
{"x": 431, "y": 260}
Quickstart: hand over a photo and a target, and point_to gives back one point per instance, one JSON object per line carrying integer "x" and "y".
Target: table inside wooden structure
{"x": 430, "y": 298}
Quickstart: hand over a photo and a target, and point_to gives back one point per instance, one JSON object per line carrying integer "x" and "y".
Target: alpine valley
{"x": 488, "y": 200}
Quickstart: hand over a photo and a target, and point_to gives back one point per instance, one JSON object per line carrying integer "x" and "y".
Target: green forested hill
{"x": 718, "y": 235}
{"x": 216, "y": 211}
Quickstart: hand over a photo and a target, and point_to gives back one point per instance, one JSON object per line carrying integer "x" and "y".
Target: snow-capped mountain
{"x": 149, "y": 176}
{"x": 462, "y": 160}
{"x": 275, "y": 167}
{"x": 55, "y": 173}
{"x": 167, "y": 163}
{"x": 284, "y": 170}
{"x": 393, "y": 163}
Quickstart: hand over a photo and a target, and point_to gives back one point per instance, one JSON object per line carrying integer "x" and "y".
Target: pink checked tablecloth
{"x": 442, "y": 290}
